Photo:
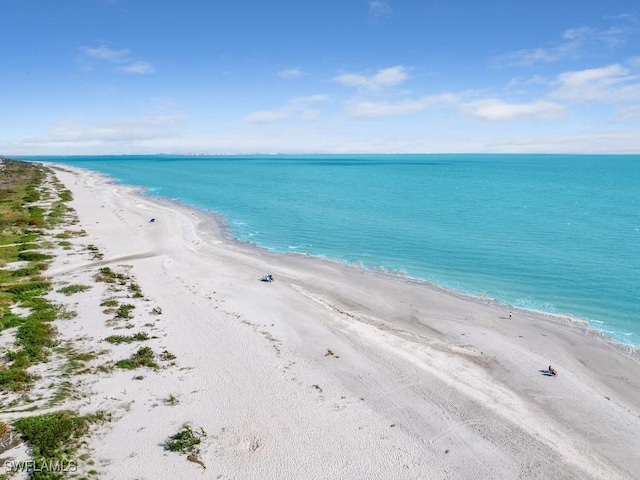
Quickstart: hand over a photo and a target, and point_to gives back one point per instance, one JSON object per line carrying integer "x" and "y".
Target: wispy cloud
{"x": 386, "y": 77}
{"x": 268, "y": 116}
{"x": 115, "y": 130}
{"x": 379, "y": 8}
{"x": 627, "y": 113}
{"x": 386, "y": 109}
{"x": 610, "y": 84}
{"x": 496, "y": 110}
{"x": 298, "y": 107}
{"x": 575, "y": 43}
{"x": 123, "y": 58}
{"x": 105, "y": 53}
{"x": 634, "y": 62}
{"x": 290, "y": 73}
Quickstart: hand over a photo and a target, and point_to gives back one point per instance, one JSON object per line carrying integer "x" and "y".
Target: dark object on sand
{"x": 152, "y": 220}
{"x": 267, "y": 278}
{"x": 553, "y": 371}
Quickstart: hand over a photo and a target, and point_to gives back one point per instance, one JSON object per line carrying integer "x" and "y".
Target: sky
{"x": 331, "y": 76}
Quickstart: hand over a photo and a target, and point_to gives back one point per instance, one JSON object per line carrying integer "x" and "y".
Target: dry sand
{"x": 330, "y": 372}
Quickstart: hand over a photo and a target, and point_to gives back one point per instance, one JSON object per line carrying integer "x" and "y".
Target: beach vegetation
{"x": 75, "y": 288}
{"x": 107, "y": 275}
{"x": 65, "y": 195}
{"x": 167, "y": 356}
{"x": 124, "y": 311}
{"x": 185, "y": 440}
{"x": 76, "y": 360}
{"x": 70, "y": 234}
{"x": 105, "y": 368}
{"x": 33, "y": 256}
{"x": 95, "y": 253}
{"x": 58, "y": 213}
{"x": 64, "y": 313}
{"x": 54, "y": 438}
{"x": 109, "y": 302}
{"x": 118, "y": 339}
{"x": 171, "y": 400}
{"x": 136, "y": 290}
{"x": 144, "y": 357}
{"x": 22, "y": 230}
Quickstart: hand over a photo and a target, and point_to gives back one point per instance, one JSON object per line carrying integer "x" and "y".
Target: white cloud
{"x": 296, "y": 107}
{"x": 123, "y": 58}
{"x": 385, "y": 109}
{"x": 106, "y": 53}
{"x": 379, "y": 8}
{"x": 575, "y": 43}
{"x": 527, "y": 82}
{"x": 624, "y": 114}
{"x": 610, "y": 84}
{"x": 634, "y": 62}
{"x": 118, "y": 130}
{"x": 386, "y": 77}
{"x": 291, "y": 73}
{"x": 495, "y": 110}
{"x": 140, "y": 68}
{"x": 166, "y": 134}
{"x": 268, "y": 116}
{"x": 569, "y": 48}
{"x": 612, "y": 142}
{"x": 309, "y": 99}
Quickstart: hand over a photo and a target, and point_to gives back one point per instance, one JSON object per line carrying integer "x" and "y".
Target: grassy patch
{"x": 144, "y": 357}
{"x": 106, "y": 275}
{"x": 124, "y": 311}
{"x": 118, "y": 339}
{"x": 95, "y": 252}
{"x": 135, "y": 289}
{"x": 66, "y": 245}
{"x": 75, "y": 288}
{"x": 167, "y": 356}
{"x": 186, "y": 441}
{"x": 22, "y": 225}
{"x": 31, "y": 256}
{"x": 54, "y": 438}
{"x": 110, "y": 302}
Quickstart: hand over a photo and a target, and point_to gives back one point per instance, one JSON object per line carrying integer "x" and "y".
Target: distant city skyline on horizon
{"x": 367, "y": 77}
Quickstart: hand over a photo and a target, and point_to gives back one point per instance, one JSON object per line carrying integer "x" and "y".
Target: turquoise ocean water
{"x": 553, "y": 233}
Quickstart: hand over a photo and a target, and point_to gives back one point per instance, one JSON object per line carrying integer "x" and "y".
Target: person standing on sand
{"x": 509, "y": 315}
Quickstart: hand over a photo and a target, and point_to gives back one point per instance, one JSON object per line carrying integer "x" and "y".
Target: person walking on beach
{"x": 509, "y": 315}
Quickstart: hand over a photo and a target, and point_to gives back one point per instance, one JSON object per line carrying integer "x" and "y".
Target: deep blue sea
{"x": 553, "y": 233}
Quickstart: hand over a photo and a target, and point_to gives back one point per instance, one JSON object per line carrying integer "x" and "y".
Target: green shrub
{"x": 184, "y": 441}
{"x": 71, "y": 289}
{"x": 118, "y": 339}
{"x": 124, "y": 311}
{"x": 142, "y": 358}
{"x": 30, "y": 256}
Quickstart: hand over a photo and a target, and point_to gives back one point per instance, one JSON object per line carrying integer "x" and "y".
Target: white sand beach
{"x": 330, "y": 371}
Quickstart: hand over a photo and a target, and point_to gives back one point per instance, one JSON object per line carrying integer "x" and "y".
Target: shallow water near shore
{"x": 557, "y": 234}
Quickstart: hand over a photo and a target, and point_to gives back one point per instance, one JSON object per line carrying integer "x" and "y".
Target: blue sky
{"x": 289, "y": 76}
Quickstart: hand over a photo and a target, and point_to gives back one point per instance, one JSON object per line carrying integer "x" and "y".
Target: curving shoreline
{"x": 224, "y": 231}
{"x": 334, "y": 371}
